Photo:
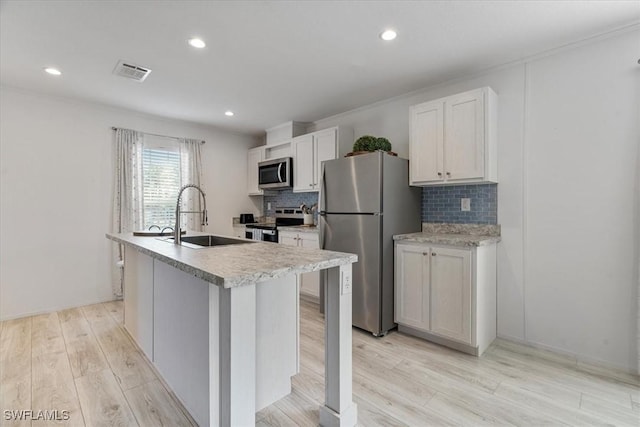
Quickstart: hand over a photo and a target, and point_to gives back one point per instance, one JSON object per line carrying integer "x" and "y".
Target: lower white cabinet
{"x": 447, "y": 294}
{"x": 309, "y": 283}
{"x": 240, "y": 231}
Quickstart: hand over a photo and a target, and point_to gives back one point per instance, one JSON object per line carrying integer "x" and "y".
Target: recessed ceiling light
{"x": 53, "y": 71}
{"x": 388, "y": 35}
{"x": 228, "y": 113}
{"x": 198, "y": 43}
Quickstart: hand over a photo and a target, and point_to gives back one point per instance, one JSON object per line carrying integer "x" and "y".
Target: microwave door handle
{"x": 279, "y": 172}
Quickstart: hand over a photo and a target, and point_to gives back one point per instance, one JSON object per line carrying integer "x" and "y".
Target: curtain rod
{"x": 155, "y": 134}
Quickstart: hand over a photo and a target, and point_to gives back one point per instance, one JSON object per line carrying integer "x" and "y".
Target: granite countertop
{"x": 466, "y": 235}
{"x": 236, "y": 265}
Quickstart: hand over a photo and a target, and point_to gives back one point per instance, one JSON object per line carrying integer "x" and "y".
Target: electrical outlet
{"x": 268, "y": 206}
{"x": 465, "y": 204}
{"x": 346, "y": 283}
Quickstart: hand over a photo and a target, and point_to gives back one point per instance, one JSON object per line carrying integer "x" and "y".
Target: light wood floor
{"x": 81, "y": 360}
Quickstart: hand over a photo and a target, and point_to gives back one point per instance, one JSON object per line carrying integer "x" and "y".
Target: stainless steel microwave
{"x": 276, "y": 173}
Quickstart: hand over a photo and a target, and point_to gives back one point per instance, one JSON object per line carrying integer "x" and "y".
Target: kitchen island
{"x": 221, "y": 324}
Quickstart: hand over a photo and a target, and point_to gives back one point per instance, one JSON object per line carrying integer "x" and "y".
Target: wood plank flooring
{"x": 83, "y": 361}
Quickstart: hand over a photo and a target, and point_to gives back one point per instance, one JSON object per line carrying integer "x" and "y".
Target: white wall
{"x": 567, "y": 164}
{"x": 56, "y": 181}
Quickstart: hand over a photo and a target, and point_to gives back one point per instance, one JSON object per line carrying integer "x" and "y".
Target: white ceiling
{"x": 274, "y": 61}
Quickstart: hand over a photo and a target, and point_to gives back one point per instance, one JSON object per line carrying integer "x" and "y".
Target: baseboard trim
{"x": 58, "y": 308}
{"x": 580, "y": 362}
{"x": 465, "y": 348}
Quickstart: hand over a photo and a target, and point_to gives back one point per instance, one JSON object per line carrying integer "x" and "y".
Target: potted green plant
{"x": 367, "y": 144}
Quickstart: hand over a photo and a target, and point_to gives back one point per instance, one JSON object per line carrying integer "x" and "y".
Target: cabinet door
{"x": 303, "y": 162}
{"x": 451, "y": 293}
{"x": 412, "y": 287}
{"x": 309, "y": 240}
{"x": 310, "y": 282}
{"x": 464, "y": 136}
{"x": 290, "y": 239}
{"x": 426, "y": 143}
{"x": 326, "y": 149}
{"x": 254, "y": 156}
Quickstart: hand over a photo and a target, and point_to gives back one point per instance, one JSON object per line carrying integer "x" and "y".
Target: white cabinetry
{"x": 254, "y": 156}
{"x": 309, "y": 283}
{"x": 447, "y": 294}
{"x": 310, "y": 150}
{"x": 412, "y": 286}
{"x": 277, "y": 151}
{"x": 453, "y": 139}
{"x": 239, "y": 231}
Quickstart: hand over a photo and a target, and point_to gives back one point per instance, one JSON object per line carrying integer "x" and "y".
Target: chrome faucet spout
{"x": 205, "y": 220}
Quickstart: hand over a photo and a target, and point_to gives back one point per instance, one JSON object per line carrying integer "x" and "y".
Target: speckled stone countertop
{"x": 236, "y": 265}
{"x": 299, "y": 228}
{"x": 466, "y": 235}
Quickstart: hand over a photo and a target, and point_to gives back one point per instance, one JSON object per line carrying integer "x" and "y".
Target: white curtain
{"x": 128, "y": 200}
{"x": 127, "y": 195}
{"x": 191, "y": 168}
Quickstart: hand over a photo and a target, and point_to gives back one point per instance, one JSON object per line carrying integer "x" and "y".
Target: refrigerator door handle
{"x": 321, "y": 229}
{"x": 322, "y": 195}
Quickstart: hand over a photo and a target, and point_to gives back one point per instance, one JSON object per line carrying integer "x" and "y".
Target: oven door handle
{"x": 279, "y": 172}
{"x": 269, "y": 232}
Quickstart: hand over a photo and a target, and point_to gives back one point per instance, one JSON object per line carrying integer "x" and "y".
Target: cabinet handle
{"x": 310, "y": 185}
{"x": 425, "y": 253}
{"x": 439, "y": 173}
{"x": 433, "y": 254}
{"x": 448, "y": 173}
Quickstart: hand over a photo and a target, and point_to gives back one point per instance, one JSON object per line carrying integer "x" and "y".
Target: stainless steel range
{"x": 268, "y": 231}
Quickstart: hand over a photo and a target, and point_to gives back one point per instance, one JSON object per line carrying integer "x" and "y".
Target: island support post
{"x": 236, "y": 327}
{"x": 339, "y": 408}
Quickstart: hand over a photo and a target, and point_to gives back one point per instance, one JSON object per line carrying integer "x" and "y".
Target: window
{"x": 161, "y": 182}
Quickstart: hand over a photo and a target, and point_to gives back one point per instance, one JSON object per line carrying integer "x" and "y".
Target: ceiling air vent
{"x": 131, "y": 71}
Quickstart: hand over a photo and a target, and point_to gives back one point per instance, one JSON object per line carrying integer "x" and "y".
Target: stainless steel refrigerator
{"x": 364, "y": 201}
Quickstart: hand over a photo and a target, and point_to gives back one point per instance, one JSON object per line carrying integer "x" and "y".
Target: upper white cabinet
{"x": 453, "y": 139}
{"x": 303, "y": 149}
{"x": 447, "y": 294}
{"x": 254, "y": 156}
{"x": 277, "y": 151}
{"x": 310, "y": 150}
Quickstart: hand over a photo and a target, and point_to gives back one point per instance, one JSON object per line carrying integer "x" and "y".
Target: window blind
{"x": 160, "y": 186}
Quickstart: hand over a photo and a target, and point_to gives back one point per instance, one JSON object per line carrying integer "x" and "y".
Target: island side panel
{"x": 181, "y": 336}
{"x": 339, "y": 408}
{"x": 277, "y": 339}
{"x": 138, "y": 299}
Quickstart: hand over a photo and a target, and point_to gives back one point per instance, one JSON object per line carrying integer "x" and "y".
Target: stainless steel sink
{"x": 208, "y": 241}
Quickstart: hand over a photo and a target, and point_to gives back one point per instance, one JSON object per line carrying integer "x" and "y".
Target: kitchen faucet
{"x": 176, "y": 230}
